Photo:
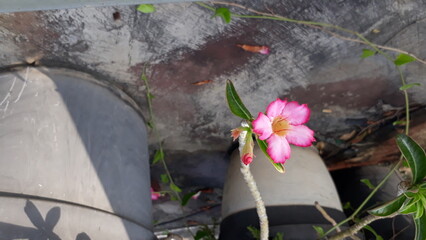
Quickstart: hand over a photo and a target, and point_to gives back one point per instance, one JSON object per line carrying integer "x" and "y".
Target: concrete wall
{"x": 183, "y": 44}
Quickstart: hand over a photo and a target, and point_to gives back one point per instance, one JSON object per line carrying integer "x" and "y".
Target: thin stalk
{"x": 352, "y": 216}
{"x": 154, "y": 128}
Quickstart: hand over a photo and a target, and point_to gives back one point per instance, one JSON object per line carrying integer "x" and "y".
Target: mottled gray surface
{"x": 184, "y": 45}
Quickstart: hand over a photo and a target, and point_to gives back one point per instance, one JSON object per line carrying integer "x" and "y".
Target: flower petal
{"x": 296, "y": 114}
{"x": 278, "y": 148}
{"x": 301, "y": 136}
{"x": 262, "y": 126}
{"x": 275, "y": 108}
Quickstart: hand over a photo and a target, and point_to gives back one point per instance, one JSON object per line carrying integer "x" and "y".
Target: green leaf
{"x": 409, "y": 207}
{"x": 175, "y": 188}
{"x": 186, "y": 198}
{"x": 415, "y": 156}
{"x": 201, "y": 234}
{"x": 146, "y": 8}
{"x": 235, "y": 104}
{"x": 254, "y": 232}
{"x": 403, "y": 123}
{"x": 224, "y": 13}
{"x": 378, "y": 237}
{"x": 367, "y": 53}
{"x": 279, "y": 236}
{"x": 164, "y": 178}
{"x": 319, "y": 230}
{"x": 159, "y": 155}
{"x": 173, "y": 197}
{"x": 403, "y": 59}
{"x": 368, "y": 183}
{"x": 347, "y": 206}
{"x": 389, "y": 207}
{"x": 408, "y": 86}
{"x": 419, "y": 211}
{"x": 150, "y": 125}
{"x": 420, "y": 228}
{"x": 264, "y": 145}
{"x": 150, "y": 95}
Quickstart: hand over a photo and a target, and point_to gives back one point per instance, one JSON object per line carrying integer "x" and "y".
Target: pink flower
{"x": 155, "y": 195}
{"x": 282, "y": 125}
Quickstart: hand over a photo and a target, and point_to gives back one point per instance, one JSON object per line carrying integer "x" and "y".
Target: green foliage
{"x": 173, "y": 197}
{"x": 175, "y": 188}
{"x": 347, "y": 205}
{"x": 378, "y": 237}
{"x": 224, "y": 13}
{"x": 264, "y": 145}
{"x": 367, "y": 183}
{"x": 367, "y": 53}
{"x": 254, "y": 232}
{"x": 235, "y": 104}
{"x": 415, "y": 156}
{"x": 187, "y": 197}
{"x": 403, "y": 59}
{"x": 146, "y": 8}
{"x": 150, "y": 96}
{"x": 164, "y": 178}
{"x": 279, "y": 236}
{"x": 205, "y": 233}
{"x": 319, "y": 230}
{"x": 159, "y": 155}
{"x": 389, "y": 207}
{"x": 420, "y": 228}
{"x": 150, "y": 124}
{"x": 408, "y": 86}
{"x": 396, "y": 123}
{"x": 409, "y": 207}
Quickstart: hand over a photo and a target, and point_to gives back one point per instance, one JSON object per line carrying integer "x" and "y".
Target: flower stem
{"x": 358, "y": 226}
{"x": 260, "y": 205}
{"x": 251, "y": 183}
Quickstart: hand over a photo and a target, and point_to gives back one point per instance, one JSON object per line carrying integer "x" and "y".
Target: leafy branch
{"x": 159, "y": 155}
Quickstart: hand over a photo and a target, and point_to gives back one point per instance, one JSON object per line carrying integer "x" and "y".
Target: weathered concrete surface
{"x": 183, "y": 44}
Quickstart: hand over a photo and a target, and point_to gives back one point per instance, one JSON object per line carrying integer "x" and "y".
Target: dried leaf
{"x": 254, "y": 49}
{"x": 347, "y": 136}
{"x": 326, "y": 110}
{"x": 202, "y": 82}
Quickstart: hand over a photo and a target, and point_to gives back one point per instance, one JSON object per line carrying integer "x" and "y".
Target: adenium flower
{"x": 282, "y": 125}
{"x": 155, "y": 195}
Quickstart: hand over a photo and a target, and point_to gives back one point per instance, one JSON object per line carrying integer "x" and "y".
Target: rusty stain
{"x": 34, "y": 38}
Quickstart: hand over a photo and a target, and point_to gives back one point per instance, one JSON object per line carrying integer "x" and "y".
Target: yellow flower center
{"x": 280, "y": 126}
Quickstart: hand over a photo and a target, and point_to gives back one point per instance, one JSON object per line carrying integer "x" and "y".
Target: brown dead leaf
{"x": 320, "y": 146}
{"x": 202, "y": 82}
{"x": 347, "y": 136}
{"x": 326, "y": 110}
